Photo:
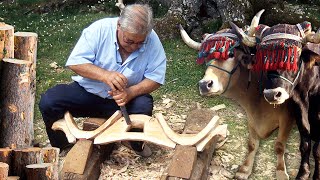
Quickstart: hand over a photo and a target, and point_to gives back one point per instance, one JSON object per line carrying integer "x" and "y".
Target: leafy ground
{"x": 58, "y": 32}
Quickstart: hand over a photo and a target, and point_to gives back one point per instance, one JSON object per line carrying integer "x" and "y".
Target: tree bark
{"x": 42, "y": 171}
{"x": 16, "y": 113}
{"x": 24, "y": 157}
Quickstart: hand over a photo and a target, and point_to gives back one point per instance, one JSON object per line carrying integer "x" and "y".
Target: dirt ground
{"x": 125, "y": 164}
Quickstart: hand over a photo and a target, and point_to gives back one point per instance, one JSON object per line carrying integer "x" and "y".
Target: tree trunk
{"x": 42, "y": 171}
{"x": 18, "y": 93}
{"x": 15, "y": 95}
{"x": 24, "y": 157}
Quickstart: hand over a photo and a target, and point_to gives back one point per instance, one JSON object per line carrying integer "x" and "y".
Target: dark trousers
{"x": 80, "y": 103}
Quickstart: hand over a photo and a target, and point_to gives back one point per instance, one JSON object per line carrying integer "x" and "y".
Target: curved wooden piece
{"x": 62, "y": 126}
{"x": 152, "y": 132}
{"x": 220, "y": 130}
{"x": 81, "y": 134}
{"x": 187, "y": 139}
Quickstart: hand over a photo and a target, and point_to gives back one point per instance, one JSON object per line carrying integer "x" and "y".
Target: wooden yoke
{"x": 154, "y": 130}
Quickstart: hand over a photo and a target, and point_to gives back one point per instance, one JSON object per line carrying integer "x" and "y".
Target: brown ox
{"x": 230, "y": 78}
{"x": 292, "y": 76}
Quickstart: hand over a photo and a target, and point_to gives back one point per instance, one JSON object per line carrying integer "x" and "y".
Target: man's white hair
{"x": 136, "y": 19}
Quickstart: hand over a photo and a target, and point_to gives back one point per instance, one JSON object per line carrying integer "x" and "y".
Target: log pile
{"x": 29, "y": 163}
{"x": 18, "y": 53}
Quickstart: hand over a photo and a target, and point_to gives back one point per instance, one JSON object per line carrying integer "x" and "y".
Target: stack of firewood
{"x": 29, "y": 163}
{"x": 18, "y": 51}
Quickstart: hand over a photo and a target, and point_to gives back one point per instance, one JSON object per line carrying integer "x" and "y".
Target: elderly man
{"x": 119, "y": 61}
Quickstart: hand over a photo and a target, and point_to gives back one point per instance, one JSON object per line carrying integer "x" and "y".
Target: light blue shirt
{"x": 98, "y": 45}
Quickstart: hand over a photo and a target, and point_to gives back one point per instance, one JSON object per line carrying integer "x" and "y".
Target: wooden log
{"x": 24, "y": 157}
{"x": 183, "y": 162}
{"x": 77, "y": 157}
{"x": 51, "y": 155}
{"x": 6, "y": 41}
{"x": 4, "y": 170}
{"x": 16, "y": 113}
{"x": 6, "y": 156}
{"x": 92, "y": 170}
{"x": 196, "y": 121}
{"x": 25, "y": 48}
{"x": 41, "y": 171}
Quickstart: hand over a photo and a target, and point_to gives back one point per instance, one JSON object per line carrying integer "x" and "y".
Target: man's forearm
{"x": 144, "y": 87}
{"x": 89, "y": 71}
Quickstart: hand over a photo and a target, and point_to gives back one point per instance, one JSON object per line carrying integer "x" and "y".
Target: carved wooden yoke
{"x": 154, "y": 130}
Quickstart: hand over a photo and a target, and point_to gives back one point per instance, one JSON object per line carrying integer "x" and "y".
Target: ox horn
{"x": 313, "y": 37}
{"x": 186, "y": 38}
{"x": 248, "y": 39}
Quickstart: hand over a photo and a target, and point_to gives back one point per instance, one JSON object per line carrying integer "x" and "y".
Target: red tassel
{"x": 224, "y": 55}
{"x": 282, "y": 51}
{"x": 295, "y": 62}
{"x": 216, "y": 55}
{"x": 288, "y": 59}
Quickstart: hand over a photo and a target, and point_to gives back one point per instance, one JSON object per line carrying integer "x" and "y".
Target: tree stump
{"x": 6, "y": 156}
{"x": 6, "y": 41}
{"x": 4, "y": 170}
{"x": 24, "y": 157}
{"x": 16, "y": 115}
{"x": 42, "y": 171}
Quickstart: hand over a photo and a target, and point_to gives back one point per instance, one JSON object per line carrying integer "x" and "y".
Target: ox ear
{"x": 246, "y": 60}
{"x": 311, "y": 54}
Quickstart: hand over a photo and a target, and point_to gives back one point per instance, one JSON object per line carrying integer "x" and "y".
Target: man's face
{"x": 129, "y": 41}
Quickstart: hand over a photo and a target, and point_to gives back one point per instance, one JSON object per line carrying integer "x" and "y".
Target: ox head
{"x": 223, "y": 52}
{"x": 280, "y": 49}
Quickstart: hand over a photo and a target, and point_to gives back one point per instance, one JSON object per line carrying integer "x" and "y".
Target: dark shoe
{"x": 138, "y": 147}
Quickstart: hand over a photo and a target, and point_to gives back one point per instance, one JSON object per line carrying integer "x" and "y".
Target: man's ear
{"x": 246, "y": 60}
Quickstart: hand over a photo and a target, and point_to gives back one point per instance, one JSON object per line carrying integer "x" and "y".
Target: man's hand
{"x": 121, "y": 97}
{"x": 115, "y": 80}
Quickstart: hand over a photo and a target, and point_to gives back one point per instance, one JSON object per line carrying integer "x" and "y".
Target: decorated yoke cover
{"x": 219, "y": 46}
{"x": 280, "y": 46}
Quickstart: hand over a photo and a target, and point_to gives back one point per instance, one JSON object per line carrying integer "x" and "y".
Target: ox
{"x": 292, "y": 75}
{"x": 228, "y": 75}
